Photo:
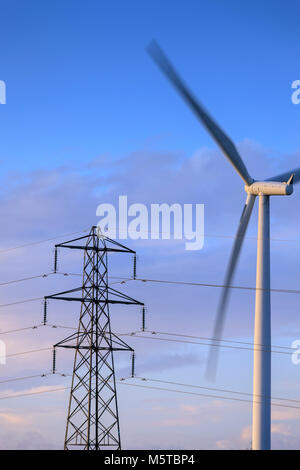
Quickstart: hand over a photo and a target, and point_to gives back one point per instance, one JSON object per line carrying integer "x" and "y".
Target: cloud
{"x": 175, "y": 422}
{"x": 12, "y": 418}
{"x": 285, "y": 415}
{"x": 281, "y": 428}
{"x": 43, "y": 204}
{"x": 246, "y": 433}
{"x": 282, "y": 436}
{"x": 223, "y": 444}
{"x": 29, "y": 440}
{"x": 34, "y": 390}
{"x": 189, "y": 408}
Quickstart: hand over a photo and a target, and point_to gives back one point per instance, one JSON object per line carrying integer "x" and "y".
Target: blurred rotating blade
{"x": 283, "y": 178}
{"x": 219, "y": 324}
{"x": 226, "y": 145}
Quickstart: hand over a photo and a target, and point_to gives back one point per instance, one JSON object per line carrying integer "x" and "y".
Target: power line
{"x": 167, "y": 282}
{"x": 16, "y": 379}
{"x": 133, "y": 333}
{"x": 202, "y": 344}
{"x": 162, "y": 281}
{"x": 67, "y": 327}
{"x": 211, "y": 339}
{"x": 137, "y": 335}
{"x": 202, "y": 284}
{"x": 33, "y": 393}
{"x": 24, "y": 279}
{"x": 25, "y": 245}
{"x": 35, "y": 327}
{"x": 148, "y": 379}
{"x": 20, "y": 329}
{"x": 42, "y": 275}
{"x": 21, "y": 302}
{"x": 194, "y": 283}
{"x": 32, "y": 299}
{"x": 213, "y": 389}
{"x": 28, "y": 352}
{"x": 208, "y": 235}
{"x": 205, "y": 395}
{"x": 42, "y": 375}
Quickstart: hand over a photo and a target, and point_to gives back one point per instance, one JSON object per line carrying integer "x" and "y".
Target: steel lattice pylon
{"x": 93, "y": 420}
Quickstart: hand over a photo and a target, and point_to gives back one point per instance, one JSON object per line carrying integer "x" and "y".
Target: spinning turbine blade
{"x": 285, "y": 176}
{"x": 219, "y": 324}
{"x": 216, "y": 132}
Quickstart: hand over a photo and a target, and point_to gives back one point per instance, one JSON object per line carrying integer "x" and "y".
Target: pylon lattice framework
{"x": 93, "y": 419}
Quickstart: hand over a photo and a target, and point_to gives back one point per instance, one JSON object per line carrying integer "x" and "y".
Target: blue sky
{"x": 79, "y": 82}
{"x": 90, "y": 117}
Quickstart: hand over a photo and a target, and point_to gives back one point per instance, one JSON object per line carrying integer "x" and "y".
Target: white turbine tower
{"x": 280, "y": 185}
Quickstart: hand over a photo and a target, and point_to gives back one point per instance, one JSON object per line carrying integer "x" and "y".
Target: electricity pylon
{"x": 93, "y": 419}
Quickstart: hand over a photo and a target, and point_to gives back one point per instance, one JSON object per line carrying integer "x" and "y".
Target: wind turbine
{"x": 280, "y": 185}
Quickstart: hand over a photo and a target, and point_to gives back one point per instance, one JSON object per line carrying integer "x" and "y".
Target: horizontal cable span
{"x": 35, "y": 327}
{"x": 28, "y": 352}
{"x": 42, "y": 375}
{"x": 147, "y": 379}
{"x": 134, "y": 335}
{"x": 194, "y": 394}
{"x": 32, "y": 299}
{"x": 21, "y": 301}
{"x": 43, "y": 275}
{"x": 162, "y": 281}
{"x": 208, "y": 395}
{"x": 138, "y": 334}
{"x": 25, "y": 279}
{"x": 33, "y": 393}
{"x": 195, "y": 283}
{"x": 202, "y": 284}
{"x": 25, "y": 245}
{"x": 208, "y": 338}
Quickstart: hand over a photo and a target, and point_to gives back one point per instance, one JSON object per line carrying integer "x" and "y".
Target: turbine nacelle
{"x": 270, "y": 188}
